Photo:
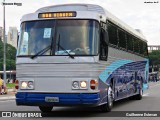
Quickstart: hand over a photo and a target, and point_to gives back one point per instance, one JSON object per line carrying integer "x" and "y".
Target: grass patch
{"x": 10, "y": 85}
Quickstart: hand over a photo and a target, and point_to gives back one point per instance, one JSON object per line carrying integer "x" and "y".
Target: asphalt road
{"x": 149, "y": 104}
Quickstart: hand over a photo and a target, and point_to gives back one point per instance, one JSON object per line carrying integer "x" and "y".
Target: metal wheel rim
{"x": 110, "y": 96}
{"x": 141, "y": 92}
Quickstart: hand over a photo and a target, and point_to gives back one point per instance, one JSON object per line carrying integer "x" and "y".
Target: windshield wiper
{"x": 49, "y": 47}
{"x": 71, "y": 56}
{"x": 41, "y": 51}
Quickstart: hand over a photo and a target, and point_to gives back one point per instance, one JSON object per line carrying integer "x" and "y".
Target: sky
{"x": 136, "y": 13}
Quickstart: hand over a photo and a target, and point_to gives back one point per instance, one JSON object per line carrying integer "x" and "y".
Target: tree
{"x": 10, "y": 57}
{"x": 154, "y": 58}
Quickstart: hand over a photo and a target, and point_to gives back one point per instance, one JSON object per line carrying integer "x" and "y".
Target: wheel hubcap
{"x": 110, "y": 96}
{"x": 141, "y": 92}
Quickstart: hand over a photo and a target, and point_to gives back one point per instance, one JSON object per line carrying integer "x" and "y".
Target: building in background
{"x": 153, "y": 47}
{"x": 12, "y": 36}
{"x": 1, "y": 34}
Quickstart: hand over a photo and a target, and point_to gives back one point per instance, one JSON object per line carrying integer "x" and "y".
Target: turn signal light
{"x": 93, "y": 84}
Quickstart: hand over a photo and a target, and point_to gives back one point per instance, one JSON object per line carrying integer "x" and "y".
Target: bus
{"x": 78, "y": 55}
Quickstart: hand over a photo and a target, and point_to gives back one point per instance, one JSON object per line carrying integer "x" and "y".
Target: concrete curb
{"x": 7, "y": 98}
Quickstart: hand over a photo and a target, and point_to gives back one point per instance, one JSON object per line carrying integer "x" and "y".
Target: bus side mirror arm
{"x": 104, "y": 36}
{"x": 103, "y": 45}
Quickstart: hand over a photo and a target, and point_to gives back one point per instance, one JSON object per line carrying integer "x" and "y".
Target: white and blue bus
{"x": 78, "y": 55}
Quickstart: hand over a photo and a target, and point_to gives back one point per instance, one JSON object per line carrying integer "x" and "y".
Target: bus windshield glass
{"x": 75, "y": 37}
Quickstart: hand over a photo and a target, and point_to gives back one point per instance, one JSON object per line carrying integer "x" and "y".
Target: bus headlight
{"x": 75, "y": 85}
{"x": 24, "y": 85}
{"x": 27, "y": 85}
{"x": 83, "y": 84}
{"x": 79, "y": 84}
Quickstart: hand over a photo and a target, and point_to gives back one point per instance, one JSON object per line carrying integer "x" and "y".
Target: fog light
{"x": 83, "y": 84}
{"x": 30, "y": 85}
{"x": 75, "y": 84}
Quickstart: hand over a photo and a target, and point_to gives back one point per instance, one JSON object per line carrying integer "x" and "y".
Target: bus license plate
{"x": 51, "y": 99}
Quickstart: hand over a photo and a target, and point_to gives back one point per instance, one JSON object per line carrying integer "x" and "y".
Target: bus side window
{"x": 103, "y": 45}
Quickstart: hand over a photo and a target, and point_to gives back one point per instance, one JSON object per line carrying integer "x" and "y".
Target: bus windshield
{"x": 76, "y": 37}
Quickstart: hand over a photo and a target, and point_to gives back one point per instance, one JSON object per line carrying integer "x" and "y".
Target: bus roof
{"x": 95, "y": 8}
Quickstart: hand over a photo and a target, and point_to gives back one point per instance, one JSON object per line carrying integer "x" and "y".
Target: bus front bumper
{"x": 64, "y": 99}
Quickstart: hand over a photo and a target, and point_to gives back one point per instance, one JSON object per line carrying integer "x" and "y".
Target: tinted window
{"x": 112, "y": 32}
{"x": 141, "y": 47}
{"x": 136, "y": 45}
{"x": 129, "y": 42}
{"x": 122, "y": 39}
{"x": 145, "y": 49}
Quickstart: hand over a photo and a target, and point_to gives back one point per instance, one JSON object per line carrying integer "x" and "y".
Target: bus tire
{"x": 107, "y": 107}
{"x": 46, "y": 108}
{"x": 139, "y": 96}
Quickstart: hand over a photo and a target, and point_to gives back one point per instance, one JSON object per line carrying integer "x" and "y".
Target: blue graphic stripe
{"x": 104, "y": 75}
{"x": 145, "y": 85}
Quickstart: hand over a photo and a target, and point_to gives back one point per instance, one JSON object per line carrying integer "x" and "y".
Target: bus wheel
{"x": 107, "y": 107}
{"x": 46, "y": 108}
{"x": 139, "y": 96}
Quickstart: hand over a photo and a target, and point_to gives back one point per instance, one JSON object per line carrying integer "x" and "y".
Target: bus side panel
{"x": 126, "y": 75}
{"x": 146, "y": 76}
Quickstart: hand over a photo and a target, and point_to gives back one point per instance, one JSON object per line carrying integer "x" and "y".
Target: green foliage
{"x": 10, "y": 57}
{"x": 154, "y": 57}
{"x": 10, "y": 85}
